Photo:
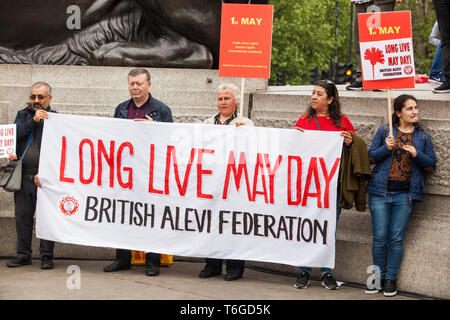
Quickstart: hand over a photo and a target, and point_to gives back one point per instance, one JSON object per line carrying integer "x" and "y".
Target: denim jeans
{"x": 390, "y": 216}
{"x": 325, "y": 270}
{"x": 436, "y": 67}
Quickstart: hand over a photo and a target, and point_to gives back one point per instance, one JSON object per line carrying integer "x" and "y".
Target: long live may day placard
{"x": 387, "y": 57}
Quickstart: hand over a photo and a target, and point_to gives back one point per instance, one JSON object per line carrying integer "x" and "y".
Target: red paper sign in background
{"x": 245, "y": 40}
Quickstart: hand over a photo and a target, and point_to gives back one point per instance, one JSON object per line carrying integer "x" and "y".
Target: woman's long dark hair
{"x": 399, "y": 104}
{"x": 334, "y": 108}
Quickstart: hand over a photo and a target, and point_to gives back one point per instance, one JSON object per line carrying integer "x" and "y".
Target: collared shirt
{"x": 135, "y": 112}
{"x": 227, "y": 122}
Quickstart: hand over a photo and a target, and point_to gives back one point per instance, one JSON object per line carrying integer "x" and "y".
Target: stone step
{"x": 298, "y": 98}
{"x": 90, "y": 100}
{"x": 108, "y": 111}
{"x": 116, "y": 77}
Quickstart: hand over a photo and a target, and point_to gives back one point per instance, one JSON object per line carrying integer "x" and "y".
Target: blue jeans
{"x": 325, "y": 270}
{"x": 390, "y": 216}
{"x": 436, "y": 67}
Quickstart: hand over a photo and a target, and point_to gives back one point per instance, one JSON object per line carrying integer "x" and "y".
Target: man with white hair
{"x": 228, "y": 97}
{"x": 29, "y": 122}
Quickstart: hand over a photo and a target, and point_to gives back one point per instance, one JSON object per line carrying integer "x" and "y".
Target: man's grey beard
{"x": 37, "y": 106}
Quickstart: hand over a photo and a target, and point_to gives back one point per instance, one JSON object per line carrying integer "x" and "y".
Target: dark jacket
{"x": 25, "y": 125}
{"x": 382, "y": 157}
{"x": 353, "y": 174}
{"x": 158, "y": 110}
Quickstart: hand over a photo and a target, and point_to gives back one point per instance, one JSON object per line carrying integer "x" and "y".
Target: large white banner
{"x": 194, "y": 190}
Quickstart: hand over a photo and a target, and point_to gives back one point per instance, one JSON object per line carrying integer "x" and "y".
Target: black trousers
{"x": 232, "y": 265}
{"x": 124, "y": 256}
{"x": 442, "y": 8}
{"x": 25, "y": 207}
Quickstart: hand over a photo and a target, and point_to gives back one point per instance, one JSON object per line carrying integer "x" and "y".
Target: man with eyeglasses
{"x": 29, "y": 122}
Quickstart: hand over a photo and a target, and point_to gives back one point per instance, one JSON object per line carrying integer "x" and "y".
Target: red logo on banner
{"x": 408, "y": 69}
{"x": 68, "y": 205}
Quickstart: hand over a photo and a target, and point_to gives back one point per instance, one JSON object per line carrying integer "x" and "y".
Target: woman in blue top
{"x": 395, "y": 186}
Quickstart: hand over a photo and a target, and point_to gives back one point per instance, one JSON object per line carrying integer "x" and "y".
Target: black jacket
{"x": 25, "y": 125}
{"x": 158, "y": 110}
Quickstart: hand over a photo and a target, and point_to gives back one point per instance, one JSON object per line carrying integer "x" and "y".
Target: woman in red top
{"x": 326, "y": 107}
{"x": 325, "y": 114}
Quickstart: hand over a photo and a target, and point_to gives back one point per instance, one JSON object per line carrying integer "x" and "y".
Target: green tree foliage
{"x": 304, "y": 36}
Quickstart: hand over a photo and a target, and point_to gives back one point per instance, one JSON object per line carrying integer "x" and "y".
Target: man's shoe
{"x": 356, "y": 85}
{"x": 390, "y": 288}
{"x": 116, "y": 266}
{"x": 151, "y": 270}
{"x": 209, "y": 272}
{"x": 18, "y": 262}
{"x": 373, "y": 289}
{"x": 46, "y": 262}
{"x": 329, "y": 282}
{"x": 302, "y": 281}
{"x": 443, "y": 88}
{"x": 231, "y": 276}
{"x": 437, "y": 78}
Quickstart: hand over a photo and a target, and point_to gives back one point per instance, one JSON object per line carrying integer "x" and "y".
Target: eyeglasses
{"x": 39, "y": 96}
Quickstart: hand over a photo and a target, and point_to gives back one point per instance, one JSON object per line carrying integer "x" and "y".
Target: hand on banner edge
{"x": 12, "y": 157}
{"x": 37, "y": 181}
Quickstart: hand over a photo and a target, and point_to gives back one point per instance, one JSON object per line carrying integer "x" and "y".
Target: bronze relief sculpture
{"x": 148, "y": 33}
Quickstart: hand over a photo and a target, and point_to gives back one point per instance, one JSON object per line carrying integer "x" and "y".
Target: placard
{"x": 386, "y": 46}
{"x": 8, "y": 135}
{"x": 245, "y": 40}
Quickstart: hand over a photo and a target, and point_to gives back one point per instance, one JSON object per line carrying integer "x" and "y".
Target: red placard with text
{"x": 245, "y": 40}
{"x": 387, "y": 59}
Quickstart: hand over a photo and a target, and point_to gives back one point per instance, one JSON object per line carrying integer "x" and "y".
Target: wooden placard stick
{"x": 241, "y": 104}
{"x": 389, "y": 110}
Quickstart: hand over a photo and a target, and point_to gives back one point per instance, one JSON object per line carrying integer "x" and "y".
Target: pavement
{"x": 85, "y": 280}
